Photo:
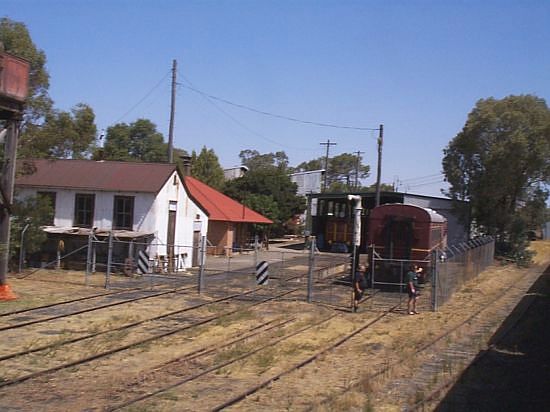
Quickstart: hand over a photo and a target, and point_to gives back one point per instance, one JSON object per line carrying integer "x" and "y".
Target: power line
{"x": 433, "y": 182}
{"x": 143, "y": 98}
{"x": 278, "y": 116}
{"x": 244, "y": 126}
{"x": 412, "y": 179}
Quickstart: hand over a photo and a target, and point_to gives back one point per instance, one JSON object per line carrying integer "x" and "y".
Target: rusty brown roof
{"x": 96, "y": 175}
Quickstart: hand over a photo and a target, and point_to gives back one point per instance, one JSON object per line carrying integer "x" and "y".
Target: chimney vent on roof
{"x": 186, "y": 165}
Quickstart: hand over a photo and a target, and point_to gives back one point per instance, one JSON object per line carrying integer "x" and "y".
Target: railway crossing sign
{"x": 262, "y": 273}
{"x": 143, "y": 263}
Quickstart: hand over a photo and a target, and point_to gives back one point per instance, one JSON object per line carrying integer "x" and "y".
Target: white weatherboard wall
{"x": 186, "y": 216}
{"x": 150, "y": 213}
{"x": 103, "y": 212}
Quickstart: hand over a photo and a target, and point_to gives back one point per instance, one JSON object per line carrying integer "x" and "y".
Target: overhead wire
{"x": 413, "y": 179}
{"x": 156, "y": 86}
{"x": 278, "y": 116}
{"x": 207, "y": 98}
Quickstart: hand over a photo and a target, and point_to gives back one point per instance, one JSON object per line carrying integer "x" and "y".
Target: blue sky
{"x": 417, "y": 67}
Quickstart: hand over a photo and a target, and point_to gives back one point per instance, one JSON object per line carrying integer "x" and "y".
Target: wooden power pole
{"x": 328, "y": 143}
{"x": 172, "y": 113}
{"x": 379, "y": 169}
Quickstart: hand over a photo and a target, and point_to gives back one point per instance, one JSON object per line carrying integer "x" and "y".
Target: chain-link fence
{"x": 387, "y": 278}
{"x": 458, "y": 264}
{"x": 305, "y": 273}
{"x": 443, "y": 273}
{"x": 302, "y": 271}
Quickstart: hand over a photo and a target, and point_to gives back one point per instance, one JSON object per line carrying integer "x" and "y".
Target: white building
{"x": 141, "y": 202}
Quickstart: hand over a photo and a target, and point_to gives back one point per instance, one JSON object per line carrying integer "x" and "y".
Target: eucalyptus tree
{"x": 499, "y": 162}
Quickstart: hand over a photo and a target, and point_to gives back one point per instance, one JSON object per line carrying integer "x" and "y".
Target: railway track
{"x": 87, "y": 307}
{"x": 443, "y": 357}
{"x": 203, "y": 370}
{"x": 169, "y": 330}
{"x": 460, "y": 357}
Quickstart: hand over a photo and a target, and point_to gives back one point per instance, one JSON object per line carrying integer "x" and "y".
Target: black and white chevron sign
{"x": 143, "y": 262}
{"x": 262, "y": 273}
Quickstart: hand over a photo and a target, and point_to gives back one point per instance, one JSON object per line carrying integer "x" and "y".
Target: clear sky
{"x": 417, "y": 67}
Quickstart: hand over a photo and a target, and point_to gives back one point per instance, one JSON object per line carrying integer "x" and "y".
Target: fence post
{"x": 310, "y": 270}
{"x": 256, "y": 251}
{"x": 89, "y": 257}
{"x": 109, "y": 261}
{"x": 435, "y": 279}
{"x": 22, "y": 248}
{"x": 202, "y": 253}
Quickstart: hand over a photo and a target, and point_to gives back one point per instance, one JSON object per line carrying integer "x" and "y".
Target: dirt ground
{"x": 337, "y": 381}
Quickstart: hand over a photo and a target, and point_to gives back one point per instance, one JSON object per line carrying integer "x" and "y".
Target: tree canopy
{"x": 206, "y": 168}
{"x": 267, "y": 188}
{"x": 63, "y": 135}
{"x": 17, "y": 41}
{"x": 254, "y": 160}
{"x": 45, "y": 131}
{"x": 500, "y": 162}
{"x": 137, "y": 141}
{"x": 344, "y": 171}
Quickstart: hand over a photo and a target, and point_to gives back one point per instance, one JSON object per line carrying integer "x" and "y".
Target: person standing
{"x": 411, "y": 280}
{"x": 359, "y": 286}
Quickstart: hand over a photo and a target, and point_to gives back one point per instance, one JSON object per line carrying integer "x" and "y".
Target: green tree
{"x": 17, "y": 41}
{"x": 138, "y": 141}
{"x": 254, "y": 160}
{"x": 63, "y": 135}
{"x": 343, "y": 171}
{"x": 499, "y": 160}
{"x": 206, "y": 167}
{"x": 46, "y": 132}
{"x": 268, "y": 186}
{"x": 34, "y": 212}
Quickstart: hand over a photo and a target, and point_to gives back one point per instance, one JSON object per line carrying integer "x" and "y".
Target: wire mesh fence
{"x": 387, "y": 278}
{"x": 458, "y": 264}
{"x": 304, "y": 272}
{"x": 122, "y": 263}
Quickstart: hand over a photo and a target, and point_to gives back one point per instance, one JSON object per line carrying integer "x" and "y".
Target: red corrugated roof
{"x": 219, "y": 206}
{"x": 97, "y": 175}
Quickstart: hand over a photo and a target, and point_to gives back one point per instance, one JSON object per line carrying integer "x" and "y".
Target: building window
{"x": 123, "y": 212}
{"x": 84, "y": 210}
{"x": 50, "y": 197}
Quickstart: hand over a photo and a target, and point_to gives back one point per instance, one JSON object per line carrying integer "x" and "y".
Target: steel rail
{"x": 434, "y": 394}
{"x": 145, "y": 340}
{"x": 303, "y": 363}
{"x": 64, "y": 302}
{"x": 435, "y": 340}
{"x": 117, "y": 329}
{"x": 216, "y": 367}
{"x": 108, "y": 305}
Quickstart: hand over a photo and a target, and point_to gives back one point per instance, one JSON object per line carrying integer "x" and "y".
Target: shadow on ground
{"x": 514, "y": 374}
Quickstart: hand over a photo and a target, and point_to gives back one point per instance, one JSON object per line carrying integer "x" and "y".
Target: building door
{"x": 171, "y": 238}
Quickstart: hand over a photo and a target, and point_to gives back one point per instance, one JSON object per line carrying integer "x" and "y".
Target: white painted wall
{"x": 150, "y": 213}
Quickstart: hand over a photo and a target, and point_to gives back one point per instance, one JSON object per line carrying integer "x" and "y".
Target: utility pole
{"x": 327, "y": 144}
{"x": 358, "y": 153}
{"x": 379, "y": 170}
{"x": 172, "y": 112}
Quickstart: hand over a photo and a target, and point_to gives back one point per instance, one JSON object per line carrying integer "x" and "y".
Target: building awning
{"x": 82, "y": 231}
